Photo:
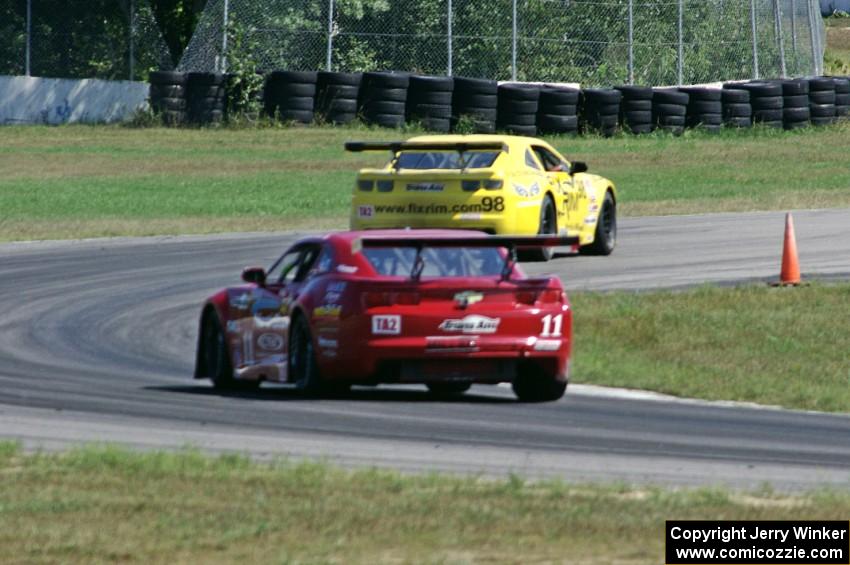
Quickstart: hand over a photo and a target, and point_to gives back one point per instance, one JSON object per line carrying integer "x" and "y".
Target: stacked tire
{"x": 600, "y": 110}
{"x": 383, "y": 97}
{"x": 475, "y": 105}
{"x": 795, "y": 104}
{"x": 205, "y": 98}
{"x": 737, "y": 111}
{"x": 557, "y": 111}
{"x": 336, "y": 97}
{"x": 168, "y": 96}
{"x": 705, "y": 108}
{"x": 290, "y": 96}
{"x": 669, "y": 110}
{"x": 636, "y": 109}
{"x": 429, "y": 102}
{"x": 822, "y": 100}
{"x": 517, "y": 108}
{"x": 766, "y": 100}
{"x": 842, "y": 97}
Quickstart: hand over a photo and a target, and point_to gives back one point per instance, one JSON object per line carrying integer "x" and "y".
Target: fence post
{"x": 329, "y": 59}
{"x": 513, "y": 42}
{"x": 811, "y": 17}
{"x": 449, "y": 33}
{"x": 132, "y": 32}
{"x": 27, "y": 51}
{"x": 755, "y": 39}
{"x": 794, "y": 29}
{"x": 681, "y": 63}
{"x": 225, "y": 23}
{"x": 780, "y": 40}
{"x": 631, "y": 42}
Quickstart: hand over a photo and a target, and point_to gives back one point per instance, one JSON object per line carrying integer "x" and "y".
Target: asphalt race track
{"x": 97, "y": 343}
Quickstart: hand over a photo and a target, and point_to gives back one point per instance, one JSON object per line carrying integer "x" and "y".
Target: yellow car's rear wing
{"x": 396, "y": 146}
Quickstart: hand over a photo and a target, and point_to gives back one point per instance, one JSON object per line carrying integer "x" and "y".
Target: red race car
{"x": 446, "y": 308}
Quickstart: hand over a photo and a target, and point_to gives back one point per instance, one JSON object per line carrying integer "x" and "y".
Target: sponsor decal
{"x": 348, "y": 269}
{"x": 270, "y": 342}
{"x": 332, "y": 297}
{"x": 336, "y": 286}
{"x": 590, "y": 219}
{"x": 526, "y": 192}
{"x": 594, "y": 207}
{"x": 386, "y": 325}
{"x": 472, "y": 325}
{"x": 242, "y": 301}
{"x": 468, "y": 297}
{"x": 328, "y": 343}
{"x": 547, "y": 345}
{"x": 271, "y": 322}
{"x": 327, "y": 311}
{"x": 232, "y": 326}
{"x": 588, "y": 185}
{"x": 469, "y": 216}
{"x": 425, "y": 187}
{"x": 366, "y": 211}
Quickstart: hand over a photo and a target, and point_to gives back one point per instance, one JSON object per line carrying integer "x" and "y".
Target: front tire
{"x": 216, "y": 358}
{"x": 532, "y": 384}
{"x": 605, "y": 238}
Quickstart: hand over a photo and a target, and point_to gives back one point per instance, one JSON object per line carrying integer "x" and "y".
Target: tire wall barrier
{"x": 472, "y": 105}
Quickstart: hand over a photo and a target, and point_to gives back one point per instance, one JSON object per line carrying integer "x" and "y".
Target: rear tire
{"x": 448, "y": 389}
{"x": 303, "y": 369}
{"x": 533, "y": 385}
{"x": 605, "y": 238}
{"x": 548, "y": 226}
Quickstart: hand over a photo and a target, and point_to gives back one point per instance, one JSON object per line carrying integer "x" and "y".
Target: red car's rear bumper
{"x": 448, "y": 358}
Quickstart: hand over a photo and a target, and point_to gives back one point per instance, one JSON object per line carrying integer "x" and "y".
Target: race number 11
{"x": 552, "y": 325}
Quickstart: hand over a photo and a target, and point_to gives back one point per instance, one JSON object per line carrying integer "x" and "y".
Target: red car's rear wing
{"x": 396, "y": 146}
{"x": 512, "y": 243}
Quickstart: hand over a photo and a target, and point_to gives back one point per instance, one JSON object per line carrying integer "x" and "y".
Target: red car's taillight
{"x": 531, "y": 297}
{"x": 376, "y": 299}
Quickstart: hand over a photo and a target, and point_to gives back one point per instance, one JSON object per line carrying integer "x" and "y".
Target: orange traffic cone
{"x": 790, "y": 274}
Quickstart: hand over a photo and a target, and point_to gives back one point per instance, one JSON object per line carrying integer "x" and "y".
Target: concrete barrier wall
{"x": 35, "y": 100}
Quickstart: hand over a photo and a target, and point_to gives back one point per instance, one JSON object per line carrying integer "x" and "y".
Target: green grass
{"x": 96, "y": 504}
{"x": 778, "y": 346}
{"x": 83, "y": 181}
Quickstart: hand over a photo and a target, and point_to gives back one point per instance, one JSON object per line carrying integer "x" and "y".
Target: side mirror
{"x": 256, "y": 275}
{"x": 578, "y": 167}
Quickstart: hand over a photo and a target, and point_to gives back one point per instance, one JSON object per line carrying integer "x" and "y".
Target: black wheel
{"x": 215, "y": 359}
{"x": 605, "y": 238}
{"x": 532, "y": 384}
{"x": 548, "y": 226}
{"x": 448, "y": 389}
{"x": 303, "y": 369}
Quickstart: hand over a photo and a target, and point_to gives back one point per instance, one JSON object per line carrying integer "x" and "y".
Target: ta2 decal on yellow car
{"x": 472, "y": 324}
{"x": 386, "y": 325}
{"x": 365, "y": 211}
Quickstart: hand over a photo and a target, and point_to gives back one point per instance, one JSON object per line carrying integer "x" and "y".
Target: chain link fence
{"x": 109, "y": 39}
{"x": 594, "y": 42}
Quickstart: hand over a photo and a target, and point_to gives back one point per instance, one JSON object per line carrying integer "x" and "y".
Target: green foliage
{"x": 245, "y": 82}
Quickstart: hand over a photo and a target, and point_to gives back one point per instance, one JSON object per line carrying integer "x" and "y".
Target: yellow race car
{"x": 500, "y": 184}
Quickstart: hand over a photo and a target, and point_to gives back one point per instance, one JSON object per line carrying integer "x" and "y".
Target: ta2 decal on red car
{"x": 386, "y": 325}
